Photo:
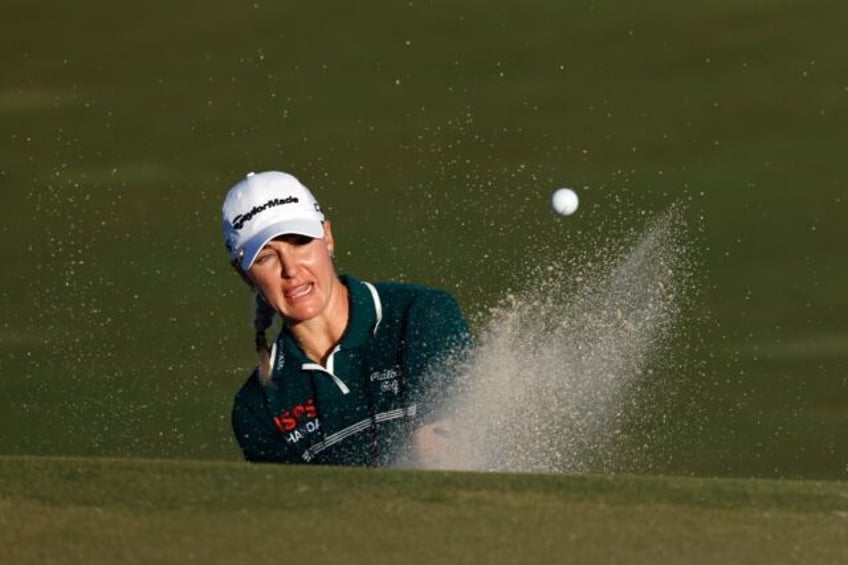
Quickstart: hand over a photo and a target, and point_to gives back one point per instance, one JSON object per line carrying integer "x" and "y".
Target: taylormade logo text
{"x": 241, "y": 219}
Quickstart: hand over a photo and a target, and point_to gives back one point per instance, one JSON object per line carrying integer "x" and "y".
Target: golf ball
{"x": 564, "y": 201}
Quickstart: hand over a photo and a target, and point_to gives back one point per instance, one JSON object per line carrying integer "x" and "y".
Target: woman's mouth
{"x": 298, "y": 292}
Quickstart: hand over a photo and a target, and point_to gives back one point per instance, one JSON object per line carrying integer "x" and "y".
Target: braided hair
{"x": 262, "y": 319}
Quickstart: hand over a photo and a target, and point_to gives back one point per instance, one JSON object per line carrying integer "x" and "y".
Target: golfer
{"x": 358, "y": 370}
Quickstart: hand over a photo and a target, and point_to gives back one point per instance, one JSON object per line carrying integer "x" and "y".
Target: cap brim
{"x": 300, "y": 226}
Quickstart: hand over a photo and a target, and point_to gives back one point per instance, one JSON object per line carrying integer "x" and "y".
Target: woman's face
{"x": 295, "y": 274}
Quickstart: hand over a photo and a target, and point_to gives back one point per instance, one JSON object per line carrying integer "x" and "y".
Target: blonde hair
{"x": 263, "y": 317}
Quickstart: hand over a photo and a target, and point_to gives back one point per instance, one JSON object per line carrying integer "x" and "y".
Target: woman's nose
{"x": 288, "y": 265}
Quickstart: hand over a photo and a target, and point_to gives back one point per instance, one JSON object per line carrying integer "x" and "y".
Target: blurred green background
{"x": 434, "y": 132}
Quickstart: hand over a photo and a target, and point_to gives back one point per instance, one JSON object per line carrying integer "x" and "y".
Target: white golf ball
{"x": 564, "y": 201}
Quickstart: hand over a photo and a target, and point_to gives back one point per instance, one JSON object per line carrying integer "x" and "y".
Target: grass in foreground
{"x": 108, "y": 510}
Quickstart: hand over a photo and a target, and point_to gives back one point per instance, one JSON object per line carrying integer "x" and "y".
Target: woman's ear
{"x": 328, "y": 237}
{"x": 237, "y": 267}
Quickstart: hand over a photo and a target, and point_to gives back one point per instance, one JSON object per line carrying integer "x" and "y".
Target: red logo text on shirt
{"x": 291, "y": 418}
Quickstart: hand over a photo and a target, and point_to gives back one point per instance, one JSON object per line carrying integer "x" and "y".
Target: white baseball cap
{"x": 264, "y": 206}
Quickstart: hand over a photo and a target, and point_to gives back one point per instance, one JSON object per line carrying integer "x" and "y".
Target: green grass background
{"x": 434, "y": 131}
{"x": 140, "y": 511}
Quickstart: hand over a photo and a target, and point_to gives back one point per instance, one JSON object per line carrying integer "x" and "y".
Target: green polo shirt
{"x": 388, "y": 374}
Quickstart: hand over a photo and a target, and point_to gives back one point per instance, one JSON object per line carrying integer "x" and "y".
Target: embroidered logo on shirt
{"x": 298, "y": 421}
{"x": 388, "y": 379}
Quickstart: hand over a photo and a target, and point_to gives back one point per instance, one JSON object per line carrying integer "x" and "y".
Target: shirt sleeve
{"x": 255, "y": 433}
{"x": 437, "y": 345}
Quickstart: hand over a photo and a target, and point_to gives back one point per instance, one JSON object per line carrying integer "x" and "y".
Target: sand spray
{"x": 559, "y": 370}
